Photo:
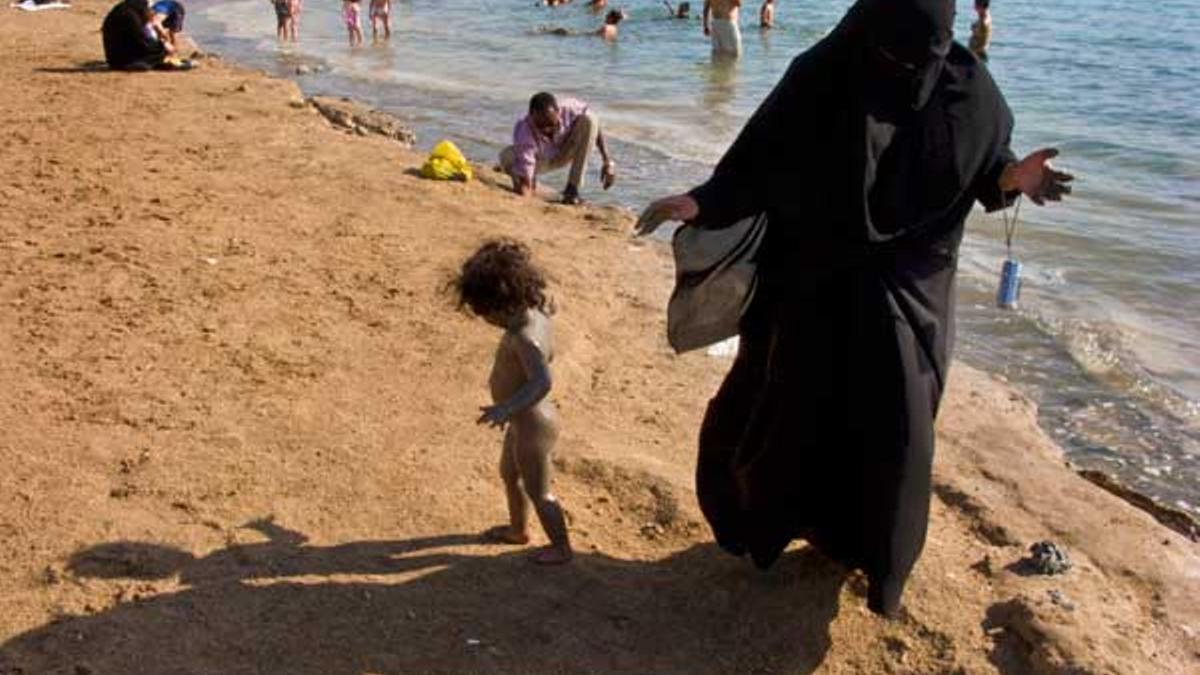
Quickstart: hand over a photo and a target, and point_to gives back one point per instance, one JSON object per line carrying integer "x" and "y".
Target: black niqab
{"x": 866, "y": 159}
{"x": 898, "y": 50}
{"x": 908, "y": 42}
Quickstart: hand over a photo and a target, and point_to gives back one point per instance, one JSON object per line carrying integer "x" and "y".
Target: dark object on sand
{"x": 1045, "y": 557}
{"x": 1056, "y": 596}
{"x": 126, "y": 44}
{"x": 866, "y": 159}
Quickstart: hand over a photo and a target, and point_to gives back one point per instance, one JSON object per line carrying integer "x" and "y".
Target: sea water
{"x": 1107, "y": 339}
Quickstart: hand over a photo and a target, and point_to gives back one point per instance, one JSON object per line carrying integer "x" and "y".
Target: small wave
{"x": 1106, "y": 310}
{"x": 1105, "y": 351}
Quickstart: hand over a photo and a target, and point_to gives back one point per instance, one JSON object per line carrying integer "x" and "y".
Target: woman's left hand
{"x": 678, "y": 207}
{"x": 1036, "y": 179}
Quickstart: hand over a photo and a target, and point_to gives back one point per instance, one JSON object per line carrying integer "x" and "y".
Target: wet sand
{"x": 238, "y": 429}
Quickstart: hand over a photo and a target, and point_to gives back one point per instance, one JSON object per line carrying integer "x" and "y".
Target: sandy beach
{"x": 238, "y": 429}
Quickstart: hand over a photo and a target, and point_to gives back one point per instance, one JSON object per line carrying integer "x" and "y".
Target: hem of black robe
{"x": 883, "y": 600}
{"x": 137, "y": 66}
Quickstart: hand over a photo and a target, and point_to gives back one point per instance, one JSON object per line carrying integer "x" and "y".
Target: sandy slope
{"x": 237, "y": 429}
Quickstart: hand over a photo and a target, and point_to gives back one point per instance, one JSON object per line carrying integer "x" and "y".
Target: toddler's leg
{"x": 533, "y": 447}
{"x": 518, "y": 514}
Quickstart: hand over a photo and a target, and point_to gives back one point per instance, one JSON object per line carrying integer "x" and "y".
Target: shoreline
{"x": 357, "y": 117}
{"x": 1126, "y": 415}
{"x": 310, "y": 374}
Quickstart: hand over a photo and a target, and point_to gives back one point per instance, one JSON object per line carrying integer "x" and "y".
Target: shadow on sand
{"x": 85, "y": 67}
{"x": 282, "y": 606}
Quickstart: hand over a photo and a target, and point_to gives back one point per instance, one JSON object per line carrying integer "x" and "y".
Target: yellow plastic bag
{"x": 446, "y": 162}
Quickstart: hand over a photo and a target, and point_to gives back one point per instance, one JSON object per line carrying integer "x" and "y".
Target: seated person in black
{"x": 127, "y": 44}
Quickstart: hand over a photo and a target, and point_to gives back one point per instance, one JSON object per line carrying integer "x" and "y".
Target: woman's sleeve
{"x": 738, "y": 185}
{"x": 987, "y": 186}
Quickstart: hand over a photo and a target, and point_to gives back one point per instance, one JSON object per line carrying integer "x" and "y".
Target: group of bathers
{"x": 351, "y": 12}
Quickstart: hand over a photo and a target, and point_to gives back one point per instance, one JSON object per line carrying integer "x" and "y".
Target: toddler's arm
{"x": 537, "y": 382}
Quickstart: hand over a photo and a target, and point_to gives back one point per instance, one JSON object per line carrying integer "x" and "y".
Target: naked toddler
{"x": 500, "y": 284}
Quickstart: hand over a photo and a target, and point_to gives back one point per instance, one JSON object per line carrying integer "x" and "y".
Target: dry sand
{"x": 238, "y": 431}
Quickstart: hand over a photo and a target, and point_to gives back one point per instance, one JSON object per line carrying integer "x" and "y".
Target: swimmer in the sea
{"x": 607, "y": 30}
{"x": 766, "y": 15}
{"x": 681, "y": 11}
{"x": 611, "y": 20}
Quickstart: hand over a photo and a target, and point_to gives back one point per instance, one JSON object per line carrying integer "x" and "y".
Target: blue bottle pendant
{"x": 1010, "y": 285}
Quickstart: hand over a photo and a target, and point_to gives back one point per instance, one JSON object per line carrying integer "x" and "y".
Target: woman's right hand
{"x": 677, "y": 207}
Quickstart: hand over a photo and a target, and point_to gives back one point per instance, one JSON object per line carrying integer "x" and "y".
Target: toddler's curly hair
{"x": 500, "y": 277}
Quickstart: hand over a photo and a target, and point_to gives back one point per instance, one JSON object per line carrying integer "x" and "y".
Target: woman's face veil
{"x": 907, "y": 44}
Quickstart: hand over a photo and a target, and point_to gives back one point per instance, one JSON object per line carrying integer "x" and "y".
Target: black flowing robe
{"x": 823, "y": 428}
{"x": 126, "y": 44}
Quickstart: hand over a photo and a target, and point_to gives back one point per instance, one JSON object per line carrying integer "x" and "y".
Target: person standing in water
{"x": 766, "y": 15}
{"x": 351, "y": 15}
{"x": 608, "y": 31}
{"x": 865, "y": 160}
{"x": 721, "y": 25}
{"x": 285, "y": 19}
{"x": 501, "y": 285}
{"x": 981, "y": 29}
{"x": 381, "y": 14}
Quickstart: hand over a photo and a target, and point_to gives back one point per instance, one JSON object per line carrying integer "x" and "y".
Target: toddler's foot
{"x": 552, "y": 555}
{"x": 504, "y": 534}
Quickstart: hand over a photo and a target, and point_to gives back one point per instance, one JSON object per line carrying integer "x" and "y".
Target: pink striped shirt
{"x": 530, "y": 145}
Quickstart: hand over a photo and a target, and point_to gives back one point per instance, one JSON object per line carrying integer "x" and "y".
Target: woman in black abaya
{"x": 127, "y": 45}
{"x": 866, "y": 159}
